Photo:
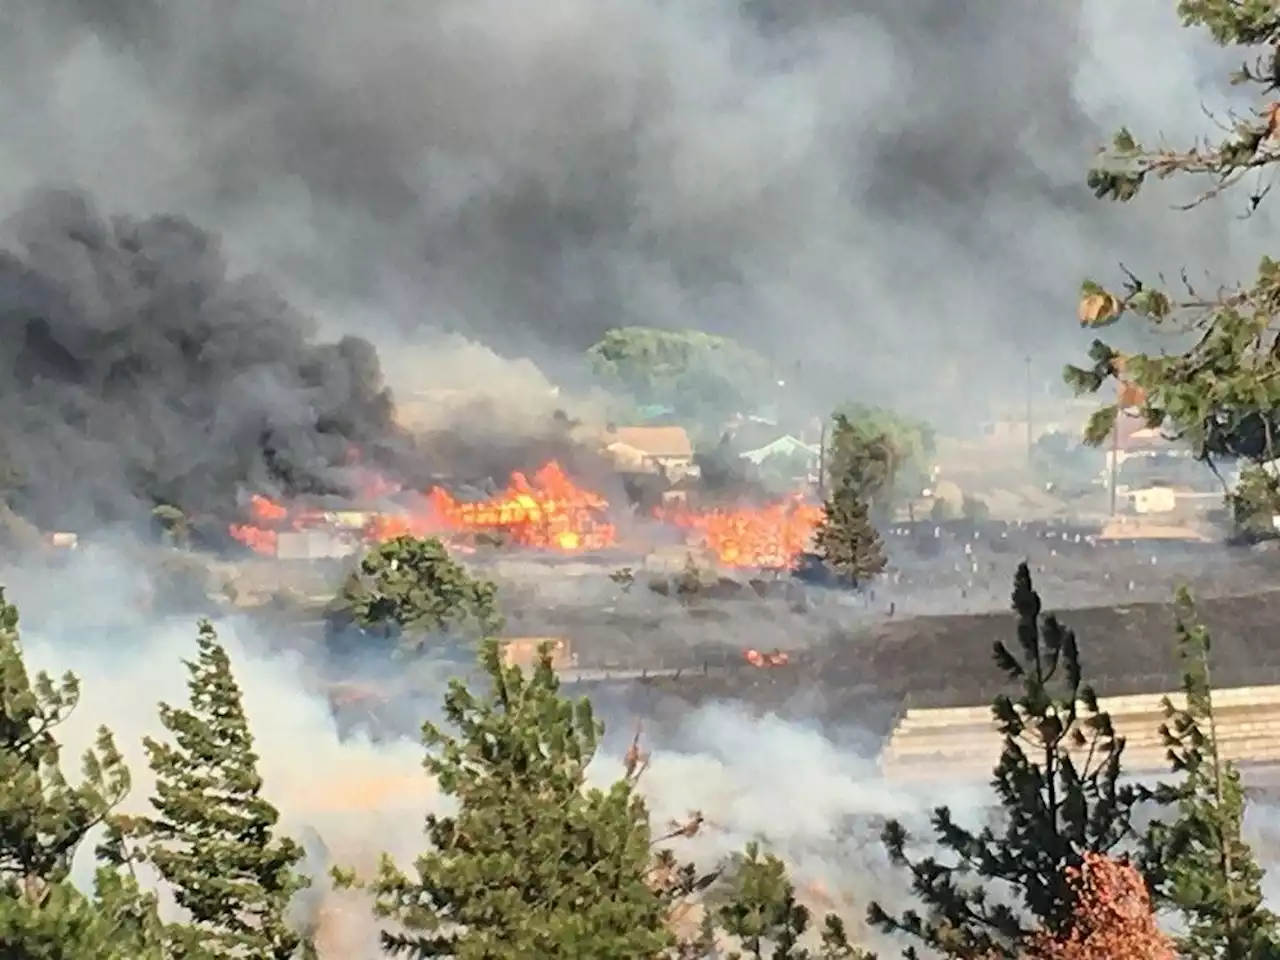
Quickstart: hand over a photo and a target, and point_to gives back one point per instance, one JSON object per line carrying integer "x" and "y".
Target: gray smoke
{"x": 137, "y": 371}
{"x": 842, "y": 185}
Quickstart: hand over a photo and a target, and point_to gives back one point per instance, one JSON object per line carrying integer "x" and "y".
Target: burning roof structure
{"x": 547, "y": 510}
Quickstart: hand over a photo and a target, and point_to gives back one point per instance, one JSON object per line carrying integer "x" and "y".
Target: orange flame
{"x": 777, "y": 658}
{"x": 548, "y": 511}
{"x": 768, "y": 536}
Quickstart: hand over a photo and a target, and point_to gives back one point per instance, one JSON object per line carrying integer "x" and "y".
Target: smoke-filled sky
{"x": 849, "y": 184}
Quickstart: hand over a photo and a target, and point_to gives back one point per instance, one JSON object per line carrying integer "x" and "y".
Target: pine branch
{"x": 1200, "y": 865}
{"x": 1056, "y": 811}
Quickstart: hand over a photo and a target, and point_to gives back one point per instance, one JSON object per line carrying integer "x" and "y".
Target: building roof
{"x": 785, "y": 446}
{"x": 655, "y": 441}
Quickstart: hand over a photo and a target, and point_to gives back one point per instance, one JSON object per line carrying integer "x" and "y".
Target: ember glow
{"x": 265, "y": 517}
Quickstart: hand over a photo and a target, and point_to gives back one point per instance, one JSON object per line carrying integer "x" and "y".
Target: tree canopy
{"x": 845, "y": 539}
{"x": 1199, "y": 863}
{"x": 915, "y": 439}
{"x": 1058, "y": 784}
{"x": 697, "y": 375}
{"x": 408, "y": 588}
{"x": 45, "y": 819}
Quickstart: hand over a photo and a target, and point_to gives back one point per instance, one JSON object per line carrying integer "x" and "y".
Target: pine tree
{"x": 44, "y": 821}
{"x": 532, "y": 864}
{"x": 760, "y": 912}
{"x": 1057, "y": 784}
{"x": 1217, "y": 385}
{"x": 1201, "y": 864}
{"x": 845, "y": 539}
{"x": 212, "y": 836}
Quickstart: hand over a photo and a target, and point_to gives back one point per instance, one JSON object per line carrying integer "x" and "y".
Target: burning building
{"x": 548, "y": 511}
{"x": 769, "y": 537}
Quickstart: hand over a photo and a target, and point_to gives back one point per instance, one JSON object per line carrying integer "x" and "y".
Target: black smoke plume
{"x": 139, "y": 370}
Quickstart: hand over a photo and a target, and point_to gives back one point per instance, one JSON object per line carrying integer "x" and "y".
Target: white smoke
{"x": 808, "y": 797}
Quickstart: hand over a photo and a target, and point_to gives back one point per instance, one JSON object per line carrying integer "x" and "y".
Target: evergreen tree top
{"x": 43, "y": 818}
{"x": 212, "y": 835}
{"x": 1057, "y": 783}
{"x": 532, "y": 863}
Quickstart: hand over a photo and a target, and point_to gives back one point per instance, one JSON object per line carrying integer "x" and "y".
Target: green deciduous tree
{"x": 173, "y": 523}
{"x": 1214, "y": 381}
{"x": 912, "y": 443}
{"x": 213, "y": 836}
{"x": 1200, "y": 863}
{"x": 698, "y": 375}
{"x": 409, "y": 588}
{"x": 532, "y": 864}
{"x": 846, "y": 539}
{"x": 1057, "y": 784}
{"x": 44, "y": 821}
{"x": 1253, "y": 504}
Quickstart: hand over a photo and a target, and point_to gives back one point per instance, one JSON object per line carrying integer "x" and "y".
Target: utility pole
{"x": 1115, "y": 459}
{"x": 1030, "y": 428}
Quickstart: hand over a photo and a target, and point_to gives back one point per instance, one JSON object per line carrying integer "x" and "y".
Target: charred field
{"x": 922, "y": 636}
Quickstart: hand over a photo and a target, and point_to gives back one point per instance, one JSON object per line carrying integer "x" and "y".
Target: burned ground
{"x": 857, "y": 679}
{"x": 854, "y": 660}
{"x": 1127, "y": 648}
{"x": 867, "y": 678}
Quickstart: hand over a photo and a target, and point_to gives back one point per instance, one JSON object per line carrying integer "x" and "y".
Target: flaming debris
{"x": 550, "y": 513}
{"x": 774, "y": 658}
